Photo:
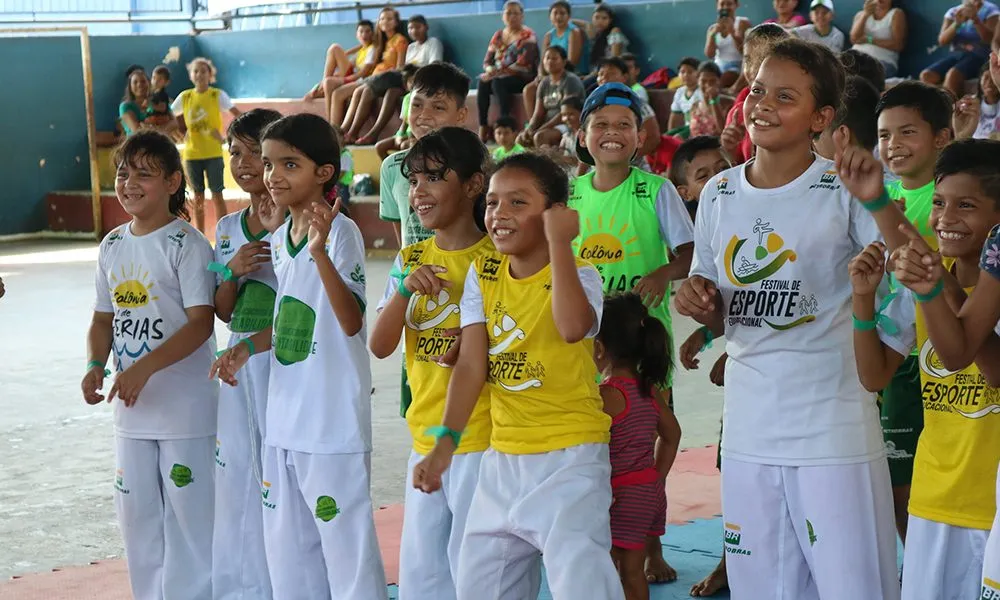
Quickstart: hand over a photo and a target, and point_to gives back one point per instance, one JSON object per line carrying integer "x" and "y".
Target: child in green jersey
{"x": 631, "y": 221}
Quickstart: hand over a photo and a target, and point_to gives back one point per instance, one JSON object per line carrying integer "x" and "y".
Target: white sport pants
{"x": 557, "y": 504}
{"x": 164, "y": 497}
{"x": 318, "y": 527}
{"x": 942, "y": 562}
{"x": 809, "y": 533}
{"x": 433, "y": 527}
{"x": 239, "y": 564}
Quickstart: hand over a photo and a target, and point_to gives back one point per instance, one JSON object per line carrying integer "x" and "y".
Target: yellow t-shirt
{"x": 426, "y": 319}
{"x": 202, "y": 115}
{"x": 394, "y": 47}
{"x": 361, "y": 56}
{"x": 544, "y": 393}
{"x": 955, "y": 468}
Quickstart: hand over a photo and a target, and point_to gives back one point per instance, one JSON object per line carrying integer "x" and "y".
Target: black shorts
{"x": 383, "y": 82}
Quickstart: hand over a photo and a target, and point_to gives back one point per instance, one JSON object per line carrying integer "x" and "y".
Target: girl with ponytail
{"x": 632, "y": 352}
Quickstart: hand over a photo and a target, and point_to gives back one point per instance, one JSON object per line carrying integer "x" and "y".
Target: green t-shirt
{"x": 626, "y": 232}
{"x": 404, "y": 116}
{"x": 918, "y": 207}
{"x": 500, "y": 153}
{"x": 346, "y": 167}
{"x": 394, "y": 200}
{"x": 130, "y": 107}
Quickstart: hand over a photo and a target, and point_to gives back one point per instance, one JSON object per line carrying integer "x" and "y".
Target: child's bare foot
{"x": 657, "y": 570}
{"x": 716, "y": 581}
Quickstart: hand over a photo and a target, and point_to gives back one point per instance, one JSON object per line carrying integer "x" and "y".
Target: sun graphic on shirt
{"x": 604, "y": 243}
{"x": 132, "y": 288}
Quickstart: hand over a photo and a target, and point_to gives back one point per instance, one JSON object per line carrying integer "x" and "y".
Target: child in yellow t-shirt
{"x": 529, "y": 318}
{"x": 199, "y": 112}
{"x": 447, "y": 174}
{"x": 952, "y": 501}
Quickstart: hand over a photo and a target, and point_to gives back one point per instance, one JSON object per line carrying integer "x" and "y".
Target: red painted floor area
{"x": 692, "y": 493}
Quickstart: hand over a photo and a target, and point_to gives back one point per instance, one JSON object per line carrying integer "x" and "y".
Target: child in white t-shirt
{"x": 805, "y": 485}
{"x": 319, "y": 532}
{"x": 154, "y": 311}
{"x": 244, "y": 299}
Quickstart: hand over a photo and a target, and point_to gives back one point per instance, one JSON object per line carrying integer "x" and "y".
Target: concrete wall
{"x": 43, "y": 114}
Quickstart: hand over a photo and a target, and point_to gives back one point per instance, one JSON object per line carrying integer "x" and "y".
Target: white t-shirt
{"x": 834, "y": 40}
{"x": 255, "y": 300}
{"x": 147, "y": 282}
{"x": 682, "y": 102}
{"x": 473, "y": 311}
{"x": 177, "y": 106}
{"x": 319, "y": 393}
{"x": 779, "y": 258}
{"x": 424, "y": 53}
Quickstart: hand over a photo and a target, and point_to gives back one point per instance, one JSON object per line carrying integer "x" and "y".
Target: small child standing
{"x": 154, "y": 310}
{"x": 504, "y": 132}
{"x": 686, "y": 95}
{"x": 822, "y": 29}
{"x": 632, "y": 352}
{"x": 199, "y": 113}
{"x": 244, "y": 299}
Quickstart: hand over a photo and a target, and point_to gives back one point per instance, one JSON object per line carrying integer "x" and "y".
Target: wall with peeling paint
{"x": 42, "y": 104}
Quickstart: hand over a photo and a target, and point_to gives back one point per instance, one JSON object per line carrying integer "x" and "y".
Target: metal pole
{"x": 95, "y": 171}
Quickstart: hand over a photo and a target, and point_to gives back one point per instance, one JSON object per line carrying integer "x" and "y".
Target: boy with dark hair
{"x": 505, "y": 134}
{"x": 952, "y": 506}
{"x": 855, "y": 119}
{"x": 159, "y": 100}
{"x": 805, "y": 487}
{"x": 614, "y": 70}
{"x": 686, "y": 95}
{"x": 437, "y": 100}
{"x": 696, "y": 161}
{"x": 864, "y": 65}
{"x": 821, "y": 30}
{"x": 756, "y": 45}
{"x": 633, "y": 76}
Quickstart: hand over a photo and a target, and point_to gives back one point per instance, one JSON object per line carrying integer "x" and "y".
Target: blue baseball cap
{"x": 610, "y": 93}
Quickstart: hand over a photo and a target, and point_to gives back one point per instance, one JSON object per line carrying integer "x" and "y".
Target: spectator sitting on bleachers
{"x": 545, "y": 126}
{"x": 979, "y": 116}
{"x": 606, "y": 40}
{"x": 686, "y": 95}
{"x": 505, "y": 135}
{"x": 822, "y": 30}
{"x": 510, "y": 64}
{"x": 708, "y": 114}
{"x": 879, "y": 30}
{"x": 633, "y": 76}
{"x": 724, "y": 41}
{"x": 786, "y": 15}
{"x": 135, "y": 102}
{"x": 159, "y": 101}
{"x": 390, "y": 53}
{"x": 403, "y": 138}
{"x": 421, "y": 51}
{"x": 570, "y": 111}
{"x": 566, "y": 35}
{"x": 968, "y": 29}
{"x": 339, "y": 69}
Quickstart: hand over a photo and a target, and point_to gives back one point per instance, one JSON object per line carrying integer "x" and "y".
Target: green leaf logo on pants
{"x": 326, "y": 509}
{"x": 293, "y": 331}
{"x": 180, "y": 475}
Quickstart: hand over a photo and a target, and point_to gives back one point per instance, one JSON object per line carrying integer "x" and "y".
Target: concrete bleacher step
{"x": 71, "y": 211}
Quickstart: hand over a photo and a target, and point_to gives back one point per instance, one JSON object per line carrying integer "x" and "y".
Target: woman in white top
{"x": 724, "y": 41}
{"x": 879, "y": 30}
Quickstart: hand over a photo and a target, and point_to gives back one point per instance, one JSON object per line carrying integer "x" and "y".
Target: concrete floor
{"x": 56, "y": 453}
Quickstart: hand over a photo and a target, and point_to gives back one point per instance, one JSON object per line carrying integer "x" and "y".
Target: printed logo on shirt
{"x": 114, "y": 237}
{"x": 513, "y": 371}
{"x": 427, "y": 314}
{"x": 326, "y": 509}
{"x": 131, "y": 291}
{"x": 358, "y": 274}
{"x": 178, "y": 238}
{"x": 991, "y": 589}
{"x": 611, "y": 243}
{"x": 218, "y": 454}
{"x": 893, "y": 453}
{"x": 225, "y": 245}
{"x": 723, "y": 187}
{"x": 777, "y": 303}
{"x": 293, "y": 331}
{"x": 181, "y": 475}
{"x": 827, "y": 181}
{"x": 733, "y": 537}
{"x": 491, "y": 269}
{"x": 254, "y": 308}
{"x": 944, "y": 390}
{"x": 120, "y": 481}
{"x": 265, "y": 493}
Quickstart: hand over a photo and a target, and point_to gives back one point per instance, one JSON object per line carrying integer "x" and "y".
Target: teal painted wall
{"x": 44, "y": 118}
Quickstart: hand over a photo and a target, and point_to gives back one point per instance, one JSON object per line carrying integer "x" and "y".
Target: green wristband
{"x": 221, "y": 269}
{"x": 880, "y": 320}
{"x": 862, "y": 325}
{"x": 709, "y": 336}
{"x": 400, "y": 276}
{"x": 97, "y": 363}
{"x": 879, "y": 203}
{"x": 440, "y": 431}
{"x": 249, "y": 345}
{"x": 934, "y": 293}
